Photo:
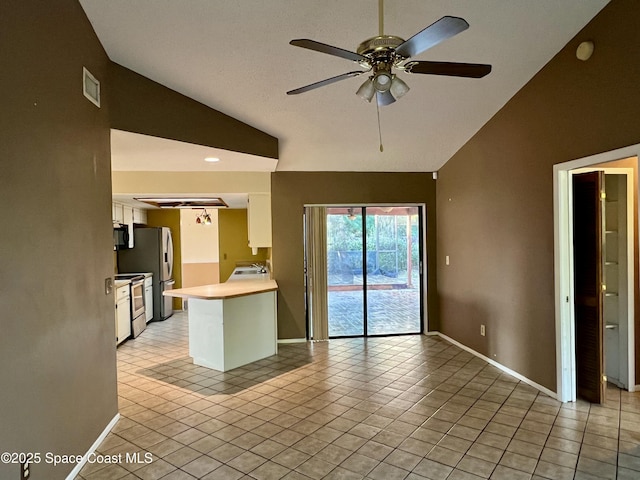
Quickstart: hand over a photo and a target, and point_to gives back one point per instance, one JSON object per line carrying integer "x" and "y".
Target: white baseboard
{"x": 74, "y": 473}
{"x": 292, "y": 340}
{"x": 522, "y": 378}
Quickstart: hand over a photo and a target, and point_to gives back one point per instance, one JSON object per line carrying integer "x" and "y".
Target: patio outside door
{"x": 374, "y": 281}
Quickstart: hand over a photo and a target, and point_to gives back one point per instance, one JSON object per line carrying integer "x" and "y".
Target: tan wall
{"x": 495, "y": 196}
{"x": 233, "y": 241}
{"x": 57, "y": 346}
{"x": 290, "y": 191}
{"x": 196, "y": 274}
{"x": 199, "y": 248}
{"x": 198, "y": 242}
{"x": 130, "y": 183}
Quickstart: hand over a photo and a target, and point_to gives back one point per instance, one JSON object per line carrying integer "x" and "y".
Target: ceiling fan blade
{"x": 329, "y": 49}
{"x": 435, "y": 33}
{"x": 385, "y": 98}
{"x": 322, "y": 83}
{"x": 451, "y": 69}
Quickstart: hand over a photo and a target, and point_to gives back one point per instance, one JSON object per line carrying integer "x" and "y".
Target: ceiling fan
{"x": 382, "y": 54}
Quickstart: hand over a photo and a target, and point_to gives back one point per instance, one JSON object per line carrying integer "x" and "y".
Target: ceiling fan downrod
{"x": 381, "y": 17}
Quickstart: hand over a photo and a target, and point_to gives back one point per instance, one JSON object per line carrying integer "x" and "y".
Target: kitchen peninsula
{"x": 233, "y": 323}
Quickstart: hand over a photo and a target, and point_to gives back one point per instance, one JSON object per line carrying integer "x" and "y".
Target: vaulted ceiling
{"x": 235, "y": 57}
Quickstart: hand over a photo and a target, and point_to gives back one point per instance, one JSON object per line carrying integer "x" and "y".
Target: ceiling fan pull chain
{"x": 381, "y": 16}
{"x": 379, "y": 128}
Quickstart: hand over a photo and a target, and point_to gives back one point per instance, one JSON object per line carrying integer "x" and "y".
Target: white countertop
{"x": 247, "y": 282}
{"x": 229, "y": 289}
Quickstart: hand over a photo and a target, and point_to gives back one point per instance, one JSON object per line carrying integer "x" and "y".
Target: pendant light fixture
{"x": 204, "y": 218}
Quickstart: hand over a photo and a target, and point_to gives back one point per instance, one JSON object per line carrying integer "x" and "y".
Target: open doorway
{"x": 614, "y": 300}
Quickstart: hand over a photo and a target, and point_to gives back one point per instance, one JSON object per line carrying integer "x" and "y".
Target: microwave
{"x": 120, "y": 237}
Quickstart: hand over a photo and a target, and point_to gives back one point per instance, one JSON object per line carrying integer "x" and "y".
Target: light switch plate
{"x": 108, "y": 285}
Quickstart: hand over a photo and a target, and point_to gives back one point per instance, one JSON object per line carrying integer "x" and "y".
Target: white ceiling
{"x": 135, "y": 152}
{"x": 235, "y": 57}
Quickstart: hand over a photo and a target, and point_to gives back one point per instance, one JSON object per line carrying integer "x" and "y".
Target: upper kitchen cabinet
{"x": 128, "y": 221}
{"x": 259, "y": 220}
{"x": 139, "y": 216}
{"x": 128, "y": 215}
{"x": 117, "y": 210}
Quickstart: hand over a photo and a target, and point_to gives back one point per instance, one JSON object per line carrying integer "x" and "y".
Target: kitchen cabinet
{"x": 127, "y": 215}
{"x": 234, "y": 323}
{"x": 128, "y": 221}
{"x": 139, "y": 216}
{"x": 123, "y": 313}
{"x": 259, "y": 220}
{"x": 117, "y": 212}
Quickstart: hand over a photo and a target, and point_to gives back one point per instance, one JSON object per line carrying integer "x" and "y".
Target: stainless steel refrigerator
{"x": 152, "y": 252}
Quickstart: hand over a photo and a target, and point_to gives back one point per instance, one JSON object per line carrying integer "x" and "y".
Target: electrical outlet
{"x": 25, "y": 471}
{"x": 482, "y": 330}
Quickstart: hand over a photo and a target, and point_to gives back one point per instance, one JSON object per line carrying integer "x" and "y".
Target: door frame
{"x": 563, "y": 267}
{"x": 422, "y": 208}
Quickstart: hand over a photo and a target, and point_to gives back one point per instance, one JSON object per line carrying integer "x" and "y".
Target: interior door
{"x": 588, "y": 285}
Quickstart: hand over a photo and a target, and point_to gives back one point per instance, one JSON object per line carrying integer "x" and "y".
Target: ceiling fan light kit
{"x": 380, "y": 55}
{"x": 366, "y": 90}
{"x": 398, "y": 87}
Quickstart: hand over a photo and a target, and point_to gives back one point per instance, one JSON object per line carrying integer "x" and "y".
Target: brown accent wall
{"x": 233, "y": 239}
{"x": 290, "y": 191}
{"x": 57, "y": 344}
{"x": 141, "y": 105}
{"x": 495, "y": 196}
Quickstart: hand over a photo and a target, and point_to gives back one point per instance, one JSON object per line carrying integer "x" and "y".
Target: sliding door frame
{"x": 422, "y": 255}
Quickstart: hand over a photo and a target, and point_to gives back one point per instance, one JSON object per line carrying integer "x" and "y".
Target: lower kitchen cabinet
{"x": 123, "y": 314}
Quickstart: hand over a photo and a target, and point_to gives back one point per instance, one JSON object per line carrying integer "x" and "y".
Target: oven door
{"x": 137, "y": 299}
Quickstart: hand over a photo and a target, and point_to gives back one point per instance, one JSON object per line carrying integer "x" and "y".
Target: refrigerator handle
{"x": 169, "y": 254}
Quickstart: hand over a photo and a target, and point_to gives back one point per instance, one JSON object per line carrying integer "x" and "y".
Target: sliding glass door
{"x": 345, "y": 279}
{"x": 374, "y": 281}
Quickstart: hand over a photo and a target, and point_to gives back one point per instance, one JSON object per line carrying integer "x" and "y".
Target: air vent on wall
{"x": 90, "y": 87}
{"x": 192, "y": 202}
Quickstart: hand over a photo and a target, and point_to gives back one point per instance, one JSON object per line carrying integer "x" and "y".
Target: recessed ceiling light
{"x": 212, "y": 159}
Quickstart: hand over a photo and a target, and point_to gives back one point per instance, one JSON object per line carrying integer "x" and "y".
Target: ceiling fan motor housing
{"x": 381, "y": 56}
{"x": 377, "y": 45}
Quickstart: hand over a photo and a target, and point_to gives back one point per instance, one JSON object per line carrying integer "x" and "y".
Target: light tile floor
{"x": 411, "y": 407}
